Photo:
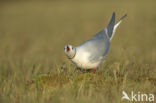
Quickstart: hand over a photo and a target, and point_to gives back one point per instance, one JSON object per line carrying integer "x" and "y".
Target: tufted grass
{"x": 34, "y": 69}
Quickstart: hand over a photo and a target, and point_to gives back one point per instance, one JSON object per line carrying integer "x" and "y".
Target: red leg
{"x": 92, "y": 70}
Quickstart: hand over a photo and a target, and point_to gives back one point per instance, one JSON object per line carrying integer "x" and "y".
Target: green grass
{"x": 34, "y": 68}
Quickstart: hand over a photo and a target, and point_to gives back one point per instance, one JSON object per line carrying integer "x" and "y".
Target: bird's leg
{"x": 92, "y": 70}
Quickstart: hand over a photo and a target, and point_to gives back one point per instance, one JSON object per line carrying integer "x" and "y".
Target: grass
{"x": 33, "y": 67}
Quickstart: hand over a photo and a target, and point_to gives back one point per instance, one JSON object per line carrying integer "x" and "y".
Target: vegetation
{"x": 34, "y": 69}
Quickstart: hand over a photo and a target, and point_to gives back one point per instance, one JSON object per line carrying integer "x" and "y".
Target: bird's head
{"x": 70, "y": 51}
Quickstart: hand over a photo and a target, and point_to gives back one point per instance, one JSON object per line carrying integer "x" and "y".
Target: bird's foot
{"x": 92, "y": 70}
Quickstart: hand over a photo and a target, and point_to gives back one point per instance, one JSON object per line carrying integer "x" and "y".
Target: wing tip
{"x": 113, "y": 15}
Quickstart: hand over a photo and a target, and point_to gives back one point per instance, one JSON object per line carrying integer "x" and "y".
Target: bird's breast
{"x": 81, "y": 59}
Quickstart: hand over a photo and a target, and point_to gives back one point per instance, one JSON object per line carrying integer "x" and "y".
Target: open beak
{"x": 68, "y": 49}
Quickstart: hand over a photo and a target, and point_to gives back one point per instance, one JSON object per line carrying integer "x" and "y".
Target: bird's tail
{"x": 116, "y": 25}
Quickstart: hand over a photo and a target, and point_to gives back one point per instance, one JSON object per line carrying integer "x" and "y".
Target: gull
{"x": 91, "y": 54}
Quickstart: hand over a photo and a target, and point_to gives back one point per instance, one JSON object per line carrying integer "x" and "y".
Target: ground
{"x": 34, "y": 68}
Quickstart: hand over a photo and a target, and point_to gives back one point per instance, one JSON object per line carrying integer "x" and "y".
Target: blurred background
{"x": 36, "y": 31}
{"x": 33, "y": 35}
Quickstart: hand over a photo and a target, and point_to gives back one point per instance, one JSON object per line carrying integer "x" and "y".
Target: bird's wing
{"x": 110, "y": 26}
{"x": 97, "y": 47}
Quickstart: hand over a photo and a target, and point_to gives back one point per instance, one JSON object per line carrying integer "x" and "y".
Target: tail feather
{"x": 116, "y": 25}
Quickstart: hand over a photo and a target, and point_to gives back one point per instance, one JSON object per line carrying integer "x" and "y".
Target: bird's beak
{"x": 68, "y": 49}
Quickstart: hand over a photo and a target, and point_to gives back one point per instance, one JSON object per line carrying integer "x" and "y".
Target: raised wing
{"x": 110, "y": 26}
{"x": 98, "y": 46}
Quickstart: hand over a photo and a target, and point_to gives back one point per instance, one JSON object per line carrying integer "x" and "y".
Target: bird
{"x": 91, "y": 53}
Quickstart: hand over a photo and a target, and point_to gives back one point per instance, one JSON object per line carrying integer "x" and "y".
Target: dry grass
{"x": 34, "y": 69}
